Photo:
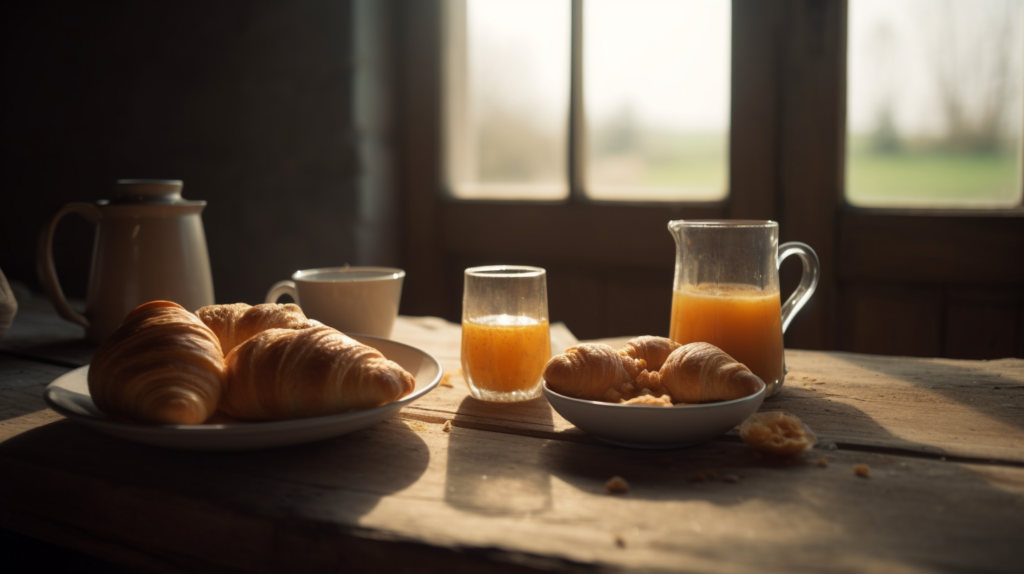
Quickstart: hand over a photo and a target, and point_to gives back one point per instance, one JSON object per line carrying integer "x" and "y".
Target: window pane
{"x": 508, "y": 100}
{"x": 934, "y": 103}
{"x": 656, "y": 91}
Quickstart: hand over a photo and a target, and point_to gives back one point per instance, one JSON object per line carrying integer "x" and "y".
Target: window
{"x": 638, "y": 111}
{"x": 804, "y": 148}
{"x": 508, "y": 66}
{"x": 934, "y": 103}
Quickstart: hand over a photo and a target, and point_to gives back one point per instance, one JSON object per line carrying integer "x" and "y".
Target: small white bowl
{"x": 654, "y": 427}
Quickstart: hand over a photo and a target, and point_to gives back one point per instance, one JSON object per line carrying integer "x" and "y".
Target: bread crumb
{"x": 620, "y": 541}
{"x": 447, "y": 426}
{"x": 616, "y": 485}
{"x": 417, "y": 426}
{"x": 822, "y": 462}
{"x": 446, "y": 379}
{"x": 730, "y": 478}
{"x": 862, "y": 470}
{"x": 776, "y": 432}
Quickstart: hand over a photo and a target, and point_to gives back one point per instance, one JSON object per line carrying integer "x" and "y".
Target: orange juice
{"x": 742, "y": 320}
{"x": 505, "y": 353}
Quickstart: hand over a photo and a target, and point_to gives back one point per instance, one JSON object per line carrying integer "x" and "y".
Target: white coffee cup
{"x": 361, "y": 300}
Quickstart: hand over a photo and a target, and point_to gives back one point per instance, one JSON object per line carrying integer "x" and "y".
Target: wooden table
{"x": 516, "y": 488}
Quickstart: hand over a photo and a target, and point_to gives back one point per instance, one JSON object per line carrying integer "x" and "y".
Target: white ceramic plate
{"x": 69, "y": 396}
{"x": 647, "y": 426}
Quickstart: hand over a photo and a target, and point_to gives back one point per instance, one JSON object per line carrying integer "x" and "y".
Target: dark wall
{"x": 253, "y": 104}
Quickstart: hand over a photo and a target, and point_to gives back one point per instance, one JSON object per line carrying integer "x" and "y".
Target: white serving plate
{"x": 654, "y": 427}
{"x": 69, "y": 396}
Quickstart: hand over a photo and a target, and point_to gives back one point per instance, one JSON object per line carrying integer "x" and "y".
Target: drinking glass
{"x": 505, "y": 337}
{"x": 726, "y": 291}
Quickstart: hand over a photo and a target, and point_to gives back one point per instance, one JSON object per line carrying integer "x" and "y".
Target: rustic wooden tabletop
{"x": 510, "y": 488}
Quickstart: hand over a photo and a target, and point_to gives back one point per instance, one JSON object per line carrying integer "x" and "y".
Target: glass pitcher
{"x": 726, "y": 291}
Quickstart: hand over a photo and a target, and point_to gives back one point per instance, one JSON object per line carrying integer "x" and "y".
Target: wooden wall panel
{"x": 897, "y": 320}
{"x": 982, "y": 324}
{"x": 604, "y": 237}
{"x": 601, "y": 259}
{"x": 640, "y": 303}
{"x": 935, "y": 246}
{"x": 579, "y": 299}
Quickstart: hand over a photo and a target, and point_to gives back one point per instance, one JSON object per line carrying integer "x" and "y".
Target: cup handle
{"x": 808, "y": 281}
{"x": 47, "y": 271}
{"x": 286, "y": 287}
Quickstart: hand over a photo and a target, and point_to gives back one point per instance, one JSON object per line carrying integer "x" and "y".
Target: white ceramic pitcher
{"x": 149, "y": 245}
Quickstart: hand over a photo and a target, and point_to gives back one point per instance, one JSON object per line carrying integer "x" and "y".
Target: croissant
{"x": 286, "y": 374}
{"x": 651, "y": 350}
{"x": 701, "y": 373}
{"x": 233, "y": 324}
{"x": 161, "y": 365}
{"x": 589, "y": 371}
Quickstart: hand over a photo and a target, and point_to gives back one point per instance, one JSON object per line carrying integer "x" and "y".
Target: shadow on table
{"x": 911, "y": 507}
{"x": 344, "y": 477}
{"x": 972, "y": 387}
{"x": 494, "y": 473}
{"x": 589, "y": 466}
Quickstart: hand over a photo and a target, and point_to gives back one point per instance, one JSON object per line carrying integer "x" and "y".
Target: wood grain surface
{"x": 511, "y": 488}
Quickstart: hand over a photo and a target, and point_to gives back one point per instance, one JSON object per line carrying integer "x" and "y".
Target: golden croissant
{"x": 161, "y": 365}
{"x": 235, "y": 323}
{"x": 651, "y": 350}
{"x": 285, "y": 374}
{"x": 589, "y": 371}
{"x": 701, "y": 373}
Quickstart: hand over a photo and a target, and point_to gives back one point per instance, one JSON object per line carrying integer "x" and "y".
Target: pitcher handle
{"x": 47, "y": 271}
{"x": 808, "y": 281}
{"x": 286, "y": 287}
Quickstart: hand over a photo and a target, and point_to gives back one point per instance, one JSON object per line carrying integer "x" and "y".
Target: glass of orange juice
{"x": 505, "y": 336}
{"x": 726, "y": 291}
